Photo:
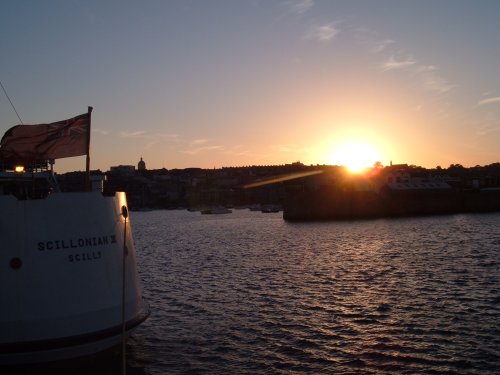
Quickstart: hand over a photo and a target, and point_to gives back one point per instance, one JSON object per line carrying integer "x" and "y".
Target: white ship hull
{"x": 61, "y": 276}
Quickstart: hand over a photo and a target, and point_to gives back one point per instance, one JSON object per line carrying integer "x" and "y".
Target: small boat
{"x": 216, "y": 211}
{"x": 270, "y": 208}
{"x": 68, "y": 282}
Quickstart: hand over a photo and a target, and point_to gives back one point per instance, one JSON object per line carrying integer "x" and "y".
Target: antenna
{"x": 10, "y": 101}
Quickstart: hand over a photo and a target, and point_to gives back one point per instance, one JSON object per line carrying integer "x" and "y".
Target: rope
{"x": 10, "y": 101}
{"x": 125, "y": 251}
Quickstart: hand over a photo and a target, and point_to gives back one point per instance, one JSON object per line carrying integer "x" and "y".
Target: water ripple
{"x": 249, "y": 293}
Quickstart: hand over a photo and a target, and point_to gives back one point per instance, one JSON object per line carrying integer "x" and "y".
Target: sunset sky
{"x": 215, "y": 83}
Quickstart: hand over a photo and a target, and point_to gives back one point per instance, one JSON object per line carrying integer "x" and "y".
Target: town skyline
{"x": 249, "y": 185}
{"x": 142, "y": 164}
{"x": 220, "y": 83}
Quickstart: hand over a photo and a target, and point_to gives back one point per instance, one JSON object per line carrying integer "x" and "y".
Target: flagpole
{"x": 87, "y": 173}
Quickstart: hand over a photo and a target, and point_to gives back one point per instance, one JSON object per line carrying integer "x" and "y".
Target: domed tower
{"x": 141, "y": 166}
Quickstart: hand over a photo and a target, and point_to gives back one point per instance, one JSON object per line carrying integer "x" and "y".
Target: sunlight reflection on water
{"x": 250, "y": 293}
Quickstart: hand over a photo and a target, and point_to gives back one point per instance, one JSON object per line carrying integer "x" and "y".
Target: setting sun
{"x": 355, "y": 156}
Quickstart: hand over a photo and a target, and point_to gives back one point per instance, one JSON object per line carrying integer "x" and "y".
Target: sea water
{"x": 248, "y": 293}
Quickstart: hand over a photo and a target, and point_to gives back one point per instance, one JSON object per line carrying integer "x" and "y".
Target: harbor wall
{"x": 348, "y": 205}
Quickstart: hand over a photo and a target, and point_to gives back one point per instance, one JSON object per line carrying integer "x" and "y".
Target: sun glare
{"x": 355, "y": 156}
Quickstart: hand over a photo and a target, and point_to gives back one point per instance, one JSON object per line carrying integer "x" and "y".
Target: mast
{"x": 87, "y": 173}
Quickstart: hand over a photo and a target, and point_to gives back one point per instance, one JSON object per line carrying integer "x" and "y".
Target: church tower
{"x": 141, "y": 166}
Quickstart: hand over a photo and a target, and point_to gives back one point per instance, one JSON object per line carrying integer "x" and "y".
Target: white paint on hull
{"x": 69, "y": 284}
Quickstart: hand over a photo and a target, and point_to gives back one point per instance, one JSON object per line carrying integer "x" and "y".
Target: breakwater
{"x": 346, "y": 205}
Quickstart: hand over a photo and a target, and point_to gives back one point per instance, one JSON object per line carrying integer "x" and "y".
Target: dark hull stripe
{"x": 71, "y": 341}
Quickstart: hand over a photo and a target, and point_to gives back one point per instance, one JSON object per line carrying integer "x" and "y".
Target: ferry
{"x": 69, "y": 283}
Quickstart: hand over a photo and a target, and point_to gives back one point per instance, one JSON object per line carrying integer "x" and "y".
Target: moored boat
{"x": 270, "y": 208}
{"x": 69, "y": 284}
{"x": 216, "y": 211}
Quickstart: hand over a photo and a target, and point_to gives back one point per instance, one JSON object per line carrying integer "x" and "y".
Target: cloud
{"x": 301, "y": 6}
{"x": 486, "y": 121}
{"x": 428, "y": 74}
{"x": 199, "y": 150}
{"x": 398, "y": 59}
{"x": 435, "y": 82}
{"x": 100, "y": 131}
{"x": 291, "y": 148}
{"x": 285, "y": 148}
{"x": 151, "y": 144}
{"x": 486, "y": 129}
{"x": 392, "y": 63}
{"x": 381, "y": 46}
{"x": 168, "y": 135}
{"x": 323, "y": 33}
{"x": 199, "y": 141}
{"x": 488, "y": 124}
{"x": 150, "y": 139}
{"x": 432, "y": 80}
{"x": 237, "y": 150}
{"x": 372, "y": 40}
{"x": 201, "y": 145}
{"x": 133, "y": 134}
{"x": 495, "y": 99}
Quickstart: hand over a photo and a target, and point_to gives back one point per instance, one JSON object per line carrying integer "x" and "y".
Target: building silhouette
{"x": 141, "y": 166}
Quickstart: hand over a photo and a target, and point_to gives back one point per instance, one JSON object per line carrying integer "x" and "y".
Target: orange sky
{"x": 224, "y": 83}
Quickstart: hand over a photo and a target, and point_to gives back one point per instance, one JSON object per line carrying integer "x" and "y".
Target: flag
{"x": 62, "y": 139}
